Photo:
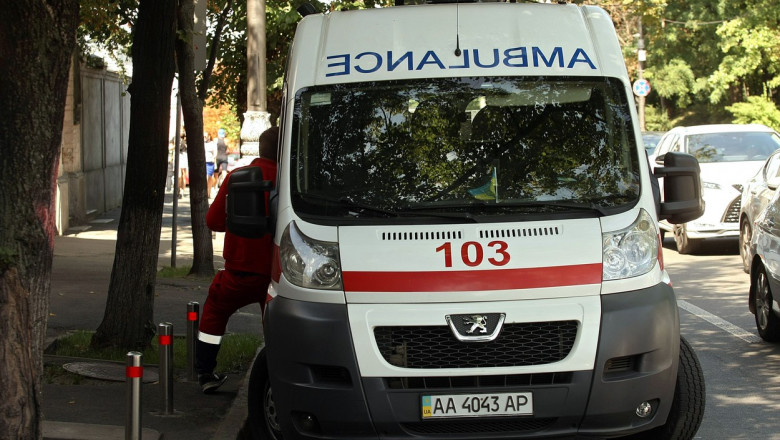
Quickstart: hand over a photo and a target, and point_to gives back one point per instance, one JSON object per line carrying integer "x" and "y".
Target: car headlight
{"x": 307, "y": 262}
{"x": 632, "y": 251}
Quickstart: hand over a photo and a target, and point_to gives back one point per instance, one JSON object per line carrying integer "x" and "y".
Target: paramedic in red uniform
{"x": 245, "y": 278}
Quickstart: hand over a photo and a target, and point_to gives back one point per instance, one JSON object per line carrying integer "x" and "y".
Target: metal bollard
{"x": 193, "y": 319}
{"x": 165, "y": 341}
{"x": 134, "y": 372}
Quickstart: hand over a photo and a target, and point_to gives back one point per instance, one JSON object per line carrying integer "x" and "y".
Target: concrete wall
{"x": 94, "y": 150}
{"x": 67, "y": 196}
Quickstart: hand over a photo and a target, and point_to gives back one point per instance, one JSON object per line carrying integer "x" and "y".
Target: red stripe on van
{"x": 468, "y": 280}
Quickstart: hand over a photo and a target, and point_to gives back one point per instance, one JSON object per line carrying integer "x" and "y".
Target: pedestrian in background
{"x": 170, "y": 178}
{"x": 211, "y": 156}
{"x": 184, "y": 168}
{"x": 222, "y": 158}
{"x": 245, "y": 278}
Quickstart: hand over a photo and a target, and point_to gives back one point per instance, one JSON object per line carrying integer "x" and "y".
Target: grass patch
{"x": 235, "y": 354}
{"x": 174, "y": 272}
{"x": 181, "y": 272}
{"x": 53, "y": 373}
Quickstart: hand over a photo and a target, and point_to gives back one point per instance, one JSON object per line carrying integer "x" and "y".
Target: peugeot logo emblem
{"x": 477, "y": 322}
{"x": 476, "y": 327}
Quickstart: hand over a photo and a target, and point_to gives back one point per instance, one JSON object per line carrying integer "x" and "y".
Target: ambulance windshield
{"x": 469, "y": 147}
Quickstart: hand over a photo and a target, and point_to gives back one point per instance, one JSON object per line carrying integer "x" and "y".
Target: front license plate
{"x": 477, "y": 405}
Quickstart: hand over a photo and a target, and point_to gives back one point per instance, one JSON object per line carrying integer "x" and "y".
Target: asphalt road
{"x": 742, "y": 372}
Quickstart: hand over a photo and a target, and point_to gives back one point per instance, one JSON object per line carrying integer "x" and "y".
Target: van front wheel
{"x": 687, "y": 409}
{"x": 262, "y": 419}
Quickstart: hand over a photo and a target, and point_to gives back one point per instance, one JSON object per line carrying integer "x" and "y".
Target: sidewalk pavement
{"x": 97, "y": 408}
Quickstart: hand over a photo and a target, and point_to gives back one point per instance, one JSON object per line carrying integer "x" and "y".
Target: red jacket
{"x": 243, "y": 254}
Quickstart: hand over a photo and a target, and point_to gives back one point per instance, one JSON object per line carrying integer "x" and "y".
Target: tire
{"x": 688, "y": 402}
{"x": 745, "y": 232}
{"x": 685, "y": 245}
{"x": 262, "y": 419}
{"x": 767, "y": 323}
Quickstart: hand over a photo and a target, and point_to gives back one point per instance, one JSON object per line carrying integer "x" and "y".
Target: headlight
{"x": 307, "y": 262}
{"x": 632, "y": 251}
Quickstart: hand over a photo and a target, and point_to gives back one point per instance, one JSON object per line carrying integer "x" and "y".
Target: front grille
{"x": 732, "y": 213}
{"x": 507, "y": 426}
{"x": 528, "y": 343}
{"x": 497, "y": 381}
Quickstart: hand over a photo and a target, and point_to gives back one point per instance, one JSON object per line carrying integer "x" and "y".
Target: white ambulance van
{"x": 466, "y": 234}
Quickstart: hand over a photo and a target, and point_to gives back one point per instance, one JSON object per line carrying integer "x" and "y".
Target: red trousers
{"x": 229, "y": 291}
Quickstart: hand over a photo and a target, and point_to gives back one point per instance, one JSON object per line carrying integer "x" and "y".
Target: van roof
{"x": 421, "y": 41}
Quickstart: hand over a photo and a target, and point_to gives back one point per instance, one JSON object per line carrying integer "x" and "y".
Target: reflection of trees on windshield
{"x": 732, "y": 147}
{"x": 393, "y": 144}
{"x": 705, "y": 153}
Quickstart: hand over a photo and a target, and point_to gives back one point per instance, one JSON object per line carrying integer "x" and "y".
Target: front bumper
{"x": 723, "y": 230}
{"x": 320, "y": 394}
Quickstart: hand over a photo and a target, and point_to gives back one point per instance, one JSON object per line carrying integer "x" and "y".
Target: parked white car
{"x": 728, "y": 154}
{"x": 650, "y": 139}
{"x": 765, "y": 270}
{"x": 756, "y": 194}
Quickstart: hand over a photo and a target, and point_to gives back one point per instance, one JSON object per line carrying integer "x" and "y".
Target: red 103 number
{"x": 472, "y": 253}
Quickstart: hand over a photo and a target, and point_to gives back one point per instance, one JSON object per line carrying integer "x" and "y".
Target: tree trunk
{"x": 128, "y": 318}
{"x": 192, "y": 110}
{"x": 203, "y": 86}
{"x": 37, "y": 39}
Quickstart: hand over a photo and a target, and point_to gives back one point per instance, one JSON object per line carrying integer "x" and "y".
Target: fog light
{"x": 644, "y": 409}
{"x": 306, "y": 423}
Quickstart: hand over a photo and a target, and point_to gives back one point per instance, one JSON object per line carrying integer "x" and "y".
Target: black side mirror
{"x": 682, "y": 188}
{"x": 247, "y": 211}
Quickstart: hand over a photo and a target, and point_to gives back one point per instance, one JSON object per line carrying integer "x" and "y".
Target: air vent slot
{"x": 540, "y": 231}
{"x": 421, "y": 235}
{"x": 620, "y": 368}
{"x": 620, "y": 364}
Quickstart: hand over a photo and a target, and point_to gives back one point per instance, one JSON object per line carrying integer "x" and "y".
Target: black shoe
{"x": 210, "y": 382}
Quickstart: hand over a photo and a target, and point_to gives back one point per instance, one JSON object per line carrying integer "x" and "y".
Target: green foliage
{"x": 757, "y": 110}
{"x": 105, "y": 27}
{"x": 701, "y": 113}
{"x": 674, "y": 81}
{"x": 751, "y": 58}
{"x": 656, "y": 120}
{"x": 231, "y": 124}
{"x": 703, "y": 55}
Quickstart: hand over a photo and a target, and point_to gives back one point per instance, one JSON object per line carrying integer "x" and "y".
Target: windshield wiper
{"x": 417, "y": 212}
{"x": 349, "y": 203}
{"x": 488, "y": 205}
{"x": 564, "y": 204}
{"x": 352, "y": 203}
